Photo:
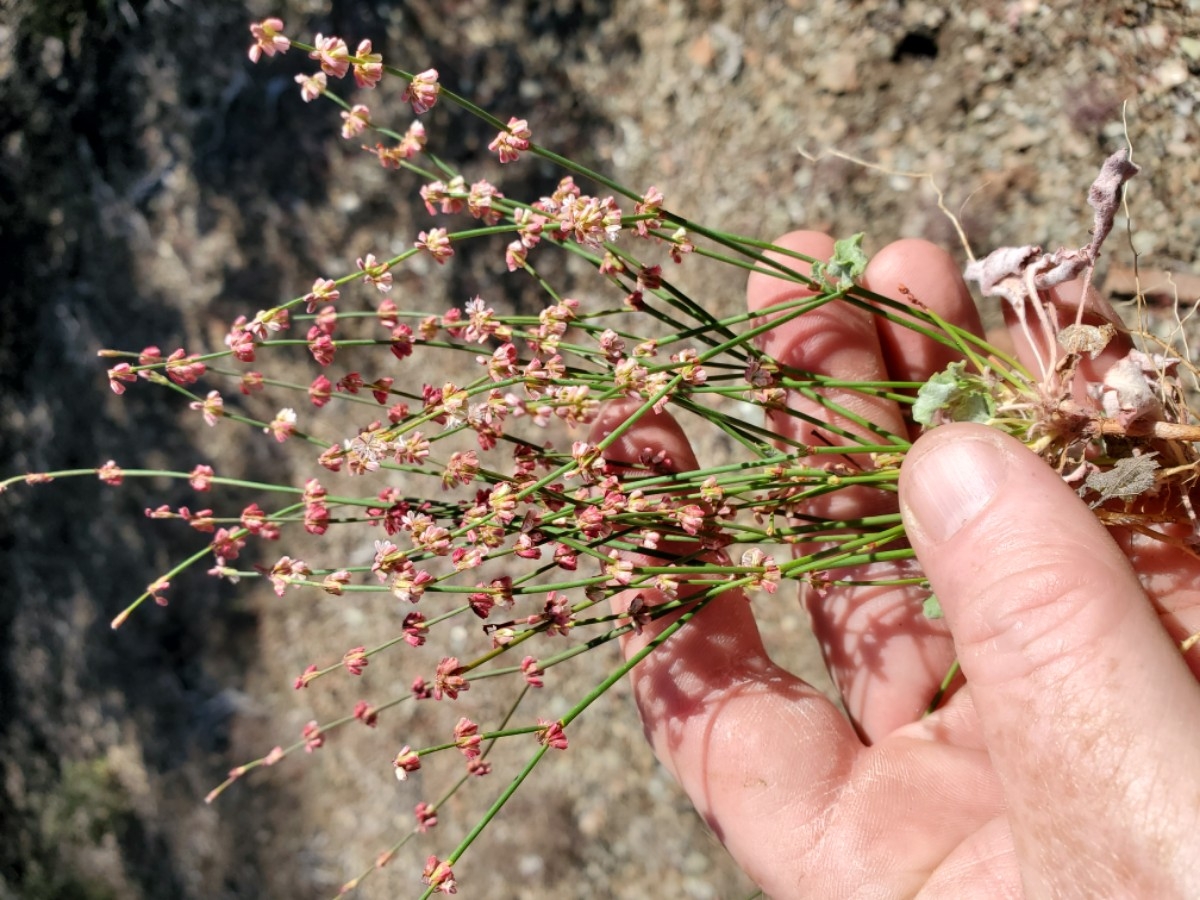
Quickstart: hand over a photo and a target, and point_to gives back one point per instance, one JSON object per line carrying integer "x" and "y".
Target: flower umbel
{"x": 268, "y": 39}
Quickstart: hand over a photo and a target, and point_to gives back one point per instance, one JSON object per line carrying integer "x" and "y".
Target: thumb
{"x": 1085, "y": 704}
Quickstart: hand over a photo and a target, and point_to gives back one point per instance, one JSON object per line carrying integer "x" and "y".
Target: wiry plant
{"x": 536, "y": 518}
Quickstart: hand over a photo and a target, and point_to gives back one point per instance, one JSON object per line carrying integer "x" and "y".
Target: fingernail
{"x": 949, "y": 485}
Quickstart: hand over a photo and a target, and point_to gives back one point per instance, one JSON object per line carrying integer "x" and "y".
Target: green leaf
{"x": 847, "y": 265}
{"x": 932, "y": 607}
{"x": 954, "y": 396}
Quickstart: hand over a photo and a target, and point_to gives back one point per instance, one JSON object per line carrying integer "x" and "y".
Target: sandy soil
{"x": 153, "y": 185}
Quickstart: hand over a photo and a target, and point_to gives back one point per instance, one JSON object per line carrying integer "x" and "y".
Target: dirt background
{"x": 153, "y": 185}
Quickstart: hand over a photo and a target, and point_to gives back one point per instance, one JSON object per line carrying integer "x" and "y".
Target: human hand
{"x": 1068, "y": 763}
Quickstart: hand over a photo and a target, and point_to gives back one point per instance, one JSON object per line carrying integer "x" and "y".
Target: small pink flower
{"x": 356, "y": 660}
{"x": 313, "y": 491}
{"x": 387, "y": 313}
{"x": 283, "y": 426}
{"x": 267, "y": 321}
{"x": 589, "y": 461}
{"x": 467, "y": 738}
{"x": 150, "y": 356}
{"x": 422, "y": 91}
{"x": 184, "y": 369}
{"x": 212, "y": 407}
{"x": 437, "y": 243}
{"x": 380, "y": 389}
{"x": 509, "y": 144}
{"x": 426, "y": 816}
{"x": 409, "y": 585}
{"x": 369, "y": 68}
{"x": 406, "y": 761}
{"x": 364, "y": 452}
{"x": 639, "y": 613}
{"x": 414, "y": 629}
{"x": 287, "y": 571}
{"x": 446, "y": 197}
{"x": 479, "y": 202}
{"x": 650, "y": 205}
{"x": 226, "y": 546}
{"x": 320, "y": 391}
{"x": 331, "y": 458}
{"x": 448, "y": 679}
{"x": 251, "y": 383}
{"x": 413, "y": 141}
{"x": 502, "y": 501}
{"x": 118, "y": 374}
{"x": 201, "y": 478}
{"x": 410, "y": 145}
{"x": 532, "y": 671}
{"x": 565, "y": 557}
{"x": 515, "y": 255}
{"x": 201, "y": 520}
{"x": 241, "y": 341}
{"x": 313, "y": 739}
{"x": 413, "y": 450}
{"x": 157, "y": 589}
{"x": 462, "y": 468}
{"x": 355, "y": 121}
{"x": 312, "y": 86}
{"x": 551, "y": 734}
{"x": 335, "y": 581}
{"x": 768, "y": 579}
{"x": 273, "y": 757}
{"x": 680, "y": 245}
{"x": 690, "y": 518}
{"x": 324, "y": 290}
{"x": 308, "y": 675}
{"x": 255, "y": 521}
{"x": 612, "y": 345}
{"x": 111, "y": 473}
{"x": 590, "y": 220}
{"x": 556, "y": 613}
{"x": 611, "y": 264}
{"x": 438, "y": 875}
{"x": 576, "y": 406}
{"x": 690, "y": 368}
{"x": 366, "y": 713}
{"x": 375, "y": 272}
{"x": 322, "y": 348}
{"x": 649, "y": 278}
{"x": 526, "y": 548}
{"x": 268, "y": 39}
{"x": 402, "y": 341}
{"x": 333, "y": 54}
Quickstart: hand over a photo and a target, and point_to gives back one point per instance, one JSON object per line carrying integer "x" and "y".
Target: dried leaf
{"x": 1089, "y": 339}
{"x": 1127, "y": 478}
{"x": 1061, "y": 266}
{"x": 1105, "y": 196}
{"x": 997, "y": 271}
{"x": 1128, "y": 391}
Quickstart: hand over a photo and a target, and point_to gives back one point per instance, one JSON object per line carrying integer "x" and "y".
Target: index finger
{"x": 886, "y": 657}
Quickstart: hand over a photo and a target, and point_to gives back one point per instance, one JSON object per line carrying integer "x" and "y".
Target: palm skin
{"x": 1067, "y": 765}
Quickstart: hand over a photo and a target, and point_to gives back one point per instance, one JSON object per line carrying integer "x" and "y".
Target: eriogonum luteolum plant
{"x": 503, "y": 511}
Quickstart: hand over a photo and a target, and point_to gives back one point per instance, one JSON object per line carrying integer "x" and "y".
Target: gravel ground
{"x": 153, "y": 185}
